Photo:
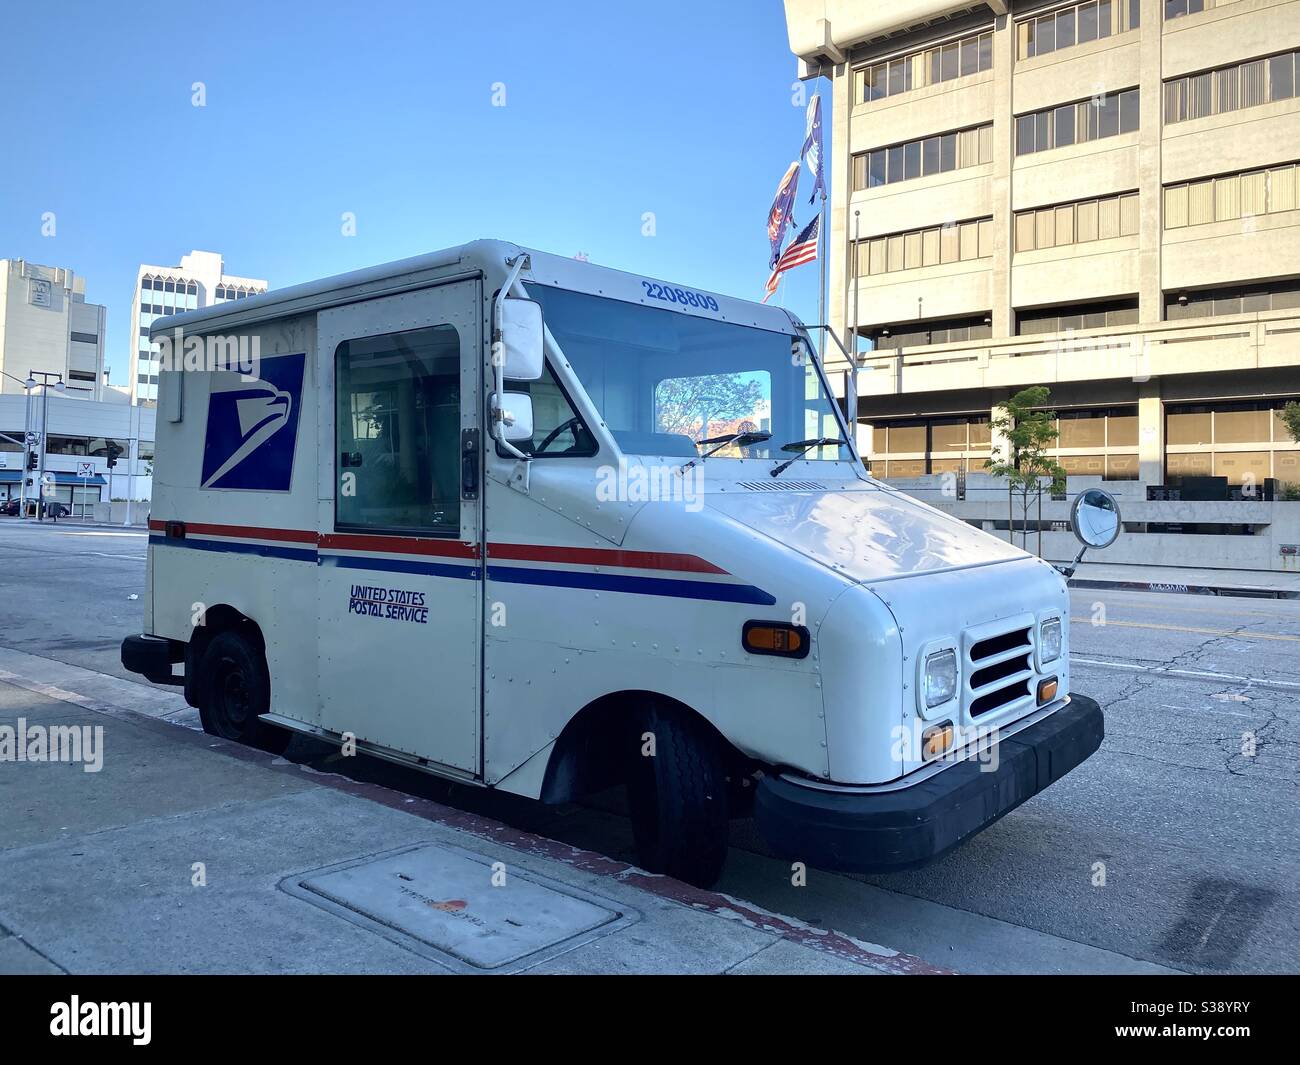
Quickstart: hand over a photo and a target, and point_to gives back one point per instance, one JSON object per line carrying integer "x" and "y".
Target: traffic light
{"x": 113, "y": 451}
{"x": 32, "y": 460}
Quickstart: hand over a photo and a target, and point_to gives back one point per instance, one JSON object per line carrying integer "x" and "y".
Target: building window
{"x": 922, "y": 334}
{"x": 1077, "y": 316}
{"x": 1239, "y": 299}
{"x": 81, "y": 375}
{"x": 1214, "y": 92}
{"x": 1246, "y": 442}
{"x": 933, "y": 246}
{"x": 1218, "y": 199}
{"x": 929, "y": 66}
{"x": 1077, "y": 223}
{"x": 1075, "y": 123}
{"x": 1178, "y": 8}
{"x": 921, "y": 158}
{"x": 1076, "y": 24}
{"x": 913, "y": 447}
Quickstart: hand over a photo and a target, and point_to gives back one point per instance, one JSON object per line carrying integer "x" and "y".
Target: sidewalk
{"x": 187, "y": 854}
{"x": 1268, "y": 584}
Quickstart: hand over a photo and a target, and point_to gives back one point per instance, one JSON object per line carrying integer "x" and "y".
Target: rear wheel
{"x": 234, "y": 691}
{"x": 677, "y": 797}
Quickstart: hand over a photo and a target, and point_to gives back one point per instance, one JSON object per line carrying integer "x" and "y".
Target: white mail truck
{"x": 528, "y": 523}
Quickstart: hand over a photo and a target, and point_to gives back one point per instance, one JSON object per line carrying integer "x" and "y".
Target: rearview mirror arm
{"x": 497, "y": 411}
{"x": 1068, "y": 571}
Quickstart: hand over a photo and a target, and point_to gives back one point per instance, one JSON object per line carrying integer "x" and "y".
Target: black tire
{"x": 678, "y": 798}
{"x": 234, "y": 690}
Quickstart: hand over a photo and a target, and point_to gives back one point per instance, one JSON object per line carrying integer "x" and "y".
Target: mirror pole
{"x": 496, "y": 411}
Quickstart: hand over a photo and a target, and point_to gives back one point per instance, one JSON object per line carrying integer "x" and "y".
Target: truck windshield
{"x": 664, "y": 380}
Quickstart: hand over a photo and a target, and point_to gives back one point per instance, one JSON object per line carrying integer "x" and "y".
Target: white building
{"x": 46, "y": 325}
{"x": 77, "y": 440}
{"x": 199, "y": 281}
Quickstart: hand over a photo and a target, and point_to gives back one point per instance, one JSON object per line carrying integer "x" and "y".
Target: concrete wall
{"x": 1278, "y": 524}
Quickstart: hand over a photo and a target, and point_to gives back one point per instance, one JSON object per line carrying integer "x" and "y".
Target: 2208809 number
{"x": 683, "y": 296}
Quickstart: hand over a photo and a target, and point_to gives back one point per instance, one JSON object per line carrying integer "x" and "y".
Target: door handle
{"x": 469, "y": 460}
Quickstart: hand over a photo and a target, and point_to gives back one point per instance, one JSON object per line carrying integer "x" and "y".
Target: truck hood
{"x": 867, "y": 534}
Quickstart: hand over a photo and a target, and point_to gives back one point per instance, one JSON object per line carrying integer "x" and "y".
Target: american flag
{"x": 803, "y": 249}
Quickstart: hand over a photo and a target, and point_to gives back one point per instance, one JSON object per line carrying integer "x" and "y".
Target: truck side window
{"x": 557, "y": 427}
{"x": 397, "y": 432}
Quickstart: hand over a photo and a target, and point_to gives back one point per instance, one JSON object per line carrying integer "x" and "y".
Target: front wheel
{"x": 234, "y": 692}
{"x": 677, "y": 796}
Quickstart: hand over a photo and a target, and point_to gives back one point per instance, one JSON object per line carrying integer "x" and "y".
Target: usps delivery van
{"x": 528, "y": 523}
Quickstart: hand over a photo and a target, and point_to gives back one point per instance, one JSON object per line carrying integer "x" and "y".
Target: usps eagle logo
{"x": 252, "y": 427}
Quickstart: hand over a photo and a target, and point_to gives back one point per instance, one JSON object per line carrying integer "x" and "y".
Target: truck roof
{"x": 487, "y": 256}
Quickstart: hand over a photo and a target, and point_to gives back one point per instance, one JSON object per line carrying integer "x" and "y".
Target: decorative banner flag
{"x": 811, "y": 152}
{"x": 803, "y": 249}
{"x": 782, "y": 207}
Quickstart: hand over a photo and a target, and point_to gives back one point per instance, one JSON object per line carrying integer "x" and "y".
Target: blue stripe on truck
{"x": 617, "y": 582}
{"x": 294, "y": 554}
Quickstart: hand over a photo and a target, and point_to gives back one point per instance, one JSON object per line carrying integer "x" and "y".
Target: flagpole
{"x": 821, "y": 284}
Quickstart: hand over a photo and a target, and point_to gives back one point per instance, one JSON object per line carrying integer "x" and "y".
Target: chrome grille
{"x": 999, "y": 669}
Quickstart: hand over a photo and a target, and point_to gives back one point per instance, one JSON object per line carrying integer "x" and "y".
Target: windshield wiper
{"x": 803, "y": 446}
{"x": 719, "y": 442}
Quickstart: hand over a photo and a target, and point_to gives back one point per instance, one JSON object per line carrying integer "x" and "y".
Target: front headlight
{"x": 1049, "y": 640}
{"x": 940, "y": 678}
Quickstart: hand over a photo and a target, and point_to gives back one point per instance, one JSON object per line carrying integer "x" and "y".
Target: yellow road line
{"x": 1181, "y": 628}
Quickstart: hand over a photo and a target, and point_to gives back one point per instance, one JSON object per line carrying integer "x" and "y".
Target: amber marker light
{"x": 775, "y": 638}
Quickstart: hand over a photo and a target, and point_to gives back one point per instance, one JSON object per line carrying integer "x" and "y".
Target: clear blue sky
{"x": 384, "y": 108}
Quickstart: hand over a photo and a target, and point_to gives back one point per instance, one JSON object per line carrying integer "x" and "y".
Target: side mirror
{"x": 521, "y": 340}
{"x": 517, "y": 416}
{"x": 1095, "y": 518}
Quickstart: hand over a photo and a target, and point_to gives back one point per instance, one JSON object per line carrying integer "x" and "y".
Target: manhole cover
{"x": 442, "y": 902}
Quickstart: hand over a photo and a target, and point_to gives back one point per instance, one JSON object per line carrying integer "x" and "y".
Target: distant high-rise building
{"x": 199, "y": 281}
{"x": 47, "y": 325}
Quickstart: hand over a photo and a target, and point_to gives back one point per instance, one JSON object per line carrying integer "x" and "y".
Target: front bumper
{"x": 152, "y": 657}
{"x": 888, "y": 831}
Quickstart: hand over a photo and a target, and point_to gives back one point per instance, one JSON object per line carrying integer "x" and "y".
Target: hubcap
{"x": 236, "y": 702}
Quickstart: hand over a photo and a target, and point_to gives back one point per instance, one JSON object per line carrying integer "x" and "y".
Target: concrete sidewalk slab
{"x": 171, "y": 858}
{"x": 1254, "y": 584}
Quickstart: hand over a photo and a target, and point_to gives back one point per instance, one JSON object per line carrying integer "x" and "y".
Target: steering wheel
{"x": 570, "y": 423}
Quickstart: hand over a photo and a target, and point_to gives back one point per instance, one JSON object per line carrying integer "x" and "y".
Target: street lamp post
{"x": 59, "y": 386}
{"x": 28, "y": 385}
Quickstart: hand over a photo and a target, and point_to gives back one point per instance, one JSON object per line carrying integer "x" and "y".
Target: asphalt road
{"x": 1177, "y": 844}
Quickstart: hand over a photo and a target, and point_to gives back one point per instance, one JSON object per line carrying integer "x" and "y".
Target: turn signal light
{"x": 936, "y": 740}
{"x": 775, "y": 638}
{"x": 1046, "y": 690}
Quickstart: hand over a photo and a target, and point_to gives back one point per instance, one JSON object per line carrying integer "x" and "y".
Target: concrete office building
{"x": 199, "y": 281}
{"x": 46, "y": 325}
{"x": 1099, "y": 197}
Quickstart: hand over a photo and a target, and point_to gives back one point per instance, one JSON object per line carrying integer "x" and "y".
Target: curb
{"x": 1230, "y": 590}
{"x": 63, "y": 523}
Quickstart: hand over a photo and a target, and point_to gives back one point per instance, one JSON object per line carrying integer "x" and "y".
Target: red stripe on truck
{"x": 416, "y": 545}
{"x": 599, "y": 556}
{"x": 293, "y": 536}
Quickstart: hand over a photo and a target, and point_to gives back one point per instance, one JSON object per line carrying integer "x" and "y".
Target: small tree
{"x": 1291, "y": 419}
{"x": 1028, "y": 430}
